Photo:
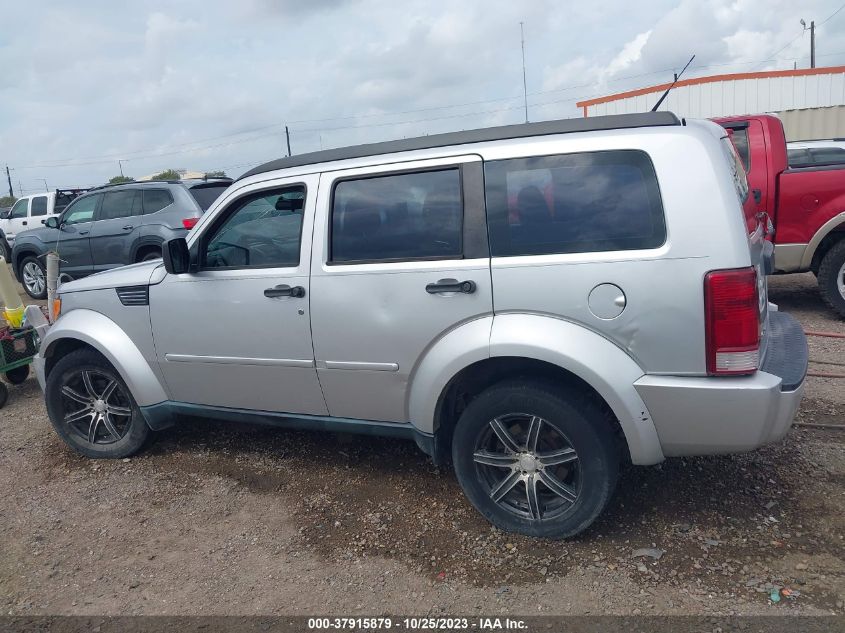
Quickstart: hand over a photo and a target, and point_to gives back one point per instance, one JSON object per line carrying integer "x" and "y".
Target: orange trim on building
{"x": 830, "y": 70}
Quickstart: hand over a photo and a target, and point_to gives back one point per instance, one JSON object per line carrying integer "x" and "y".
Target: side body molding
{"x": 594, "y": 359}
{"x": 111, "y": 341}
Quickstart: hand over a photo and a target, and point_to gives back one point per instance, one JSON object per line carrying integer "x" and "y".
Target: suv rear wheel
{"x": 832, "y": 277}
{"x": 34, "y": 277}
{"x": 91, "y": 408}
{"x": 536, "y": 459}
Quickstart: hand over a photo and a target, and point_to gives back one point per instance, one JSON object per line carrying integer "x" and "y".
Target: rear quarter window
{"x": 573, "y": 203}
{"x": 156, "y": 200}
{"x": 205, "y": 195}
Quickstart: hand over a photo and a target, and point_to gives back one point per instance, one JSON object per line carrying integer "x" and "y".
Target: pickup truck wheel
{"x": 92, "y": 409}
{"x": 536, "y": 459}
{"x": 34, "y": 277}
{"x": 832, "y": 278}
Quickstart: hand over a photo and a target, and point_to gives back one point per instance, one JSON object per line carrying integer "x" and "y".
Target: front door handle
{"x": 451, "y": 285}
{"x": 24, "y": 222}
{"x": 128, "y": 227}
{"x": 83, "y": 232}
{"x": 285, "y": 291}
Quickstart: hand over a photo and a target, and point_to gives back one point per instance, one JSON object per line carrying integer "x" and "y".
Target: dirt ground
{"x": 228, "y": 519}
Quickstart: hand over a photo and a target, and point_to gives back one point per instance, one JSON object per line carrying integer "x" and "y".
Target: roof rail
{"x": 522, "y": 130}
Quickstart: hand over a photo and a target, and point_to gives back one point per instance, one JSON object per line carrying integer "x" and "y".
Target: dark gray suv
{"x": 112, "y": 226}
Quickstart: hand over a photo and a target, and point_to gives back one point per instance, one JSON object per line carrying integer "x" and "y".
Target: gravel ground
{"x": 229, "y": 519}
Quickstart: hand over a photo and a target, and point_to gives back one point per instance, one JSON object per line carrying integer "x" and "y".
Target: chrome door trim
{"x": 235, "y": 360}
{"x": 358, "y": 365}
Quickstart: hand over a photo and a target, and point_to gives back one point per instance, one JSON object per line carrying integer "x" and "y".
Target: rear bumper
{"x": 704, "y": 416}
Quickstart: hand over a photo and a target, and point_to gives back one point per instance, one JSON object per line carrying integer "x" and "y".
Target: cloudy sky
{"x": 209, "y": 85}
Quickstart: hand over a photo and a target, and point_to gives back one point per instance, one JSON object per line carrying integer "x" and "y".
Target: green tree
{"x": 119, "y": 179}
{"x": 7, "y": 201}
{"x": 216, "y": 174}
{"x": 168, "y": 174}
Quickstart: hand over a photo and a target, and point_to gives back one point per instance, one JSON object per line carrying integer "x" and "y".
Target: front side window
{"x": 262, "y": 231}
{"x": 81, "y": 210}
{"x": 120, "y": 204}
{"x": 39, "y": 206}
{"x": 573, "y": 203}
{"x": 19, "y": 210}
{"x": 398, "y": 217}
{"x": 156, "y": 200}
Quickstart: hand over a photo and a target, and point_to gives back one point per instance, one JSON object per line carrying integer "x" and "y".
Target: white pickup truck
{"x": 30, "y": 212}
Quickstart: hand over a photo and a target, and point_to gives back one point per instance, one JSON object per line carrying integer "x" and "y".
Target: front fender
{"x": 111, "y": 341}
{"x": 598, "y": 362}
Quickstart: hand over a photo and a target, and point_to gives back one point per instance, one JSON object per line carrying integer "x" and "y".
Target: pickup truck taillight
{"x": 732, "y": 322}
{"x": 190, "y": 223}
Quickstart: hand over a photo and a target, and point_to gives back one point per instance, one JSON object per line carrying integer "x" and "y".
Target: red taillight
{"x": 732, "y": 322}
{"x": 190, "y": 223}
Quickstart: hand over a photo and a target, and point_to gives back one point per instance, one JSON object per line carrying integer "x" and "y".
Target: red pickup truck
{"x": 806, "y": 205}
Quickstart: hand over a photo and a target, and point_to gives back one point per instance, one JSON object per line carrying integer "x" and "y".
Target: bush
{"x": 216, "y": 174}
{"x": 168, "y": 174}
{"x": 7, "y": 201}
{"x": 119, "y": 179}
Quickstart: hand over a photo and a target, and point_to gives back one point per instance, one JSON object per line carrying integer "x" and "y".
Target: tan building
{"x": 809, "y": 101}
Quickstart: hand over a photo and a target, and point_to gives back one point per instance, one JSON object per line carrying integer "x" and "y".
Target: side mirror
{"x": 52, "y": 222}
{"x": 177, "y": 257}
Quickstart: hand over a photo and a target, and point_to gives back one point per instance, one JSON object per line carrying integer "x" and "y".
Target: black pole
{"x": 812, "y": 44}
{"x": 9, "y": 178}
{"x": 287, "y": 136}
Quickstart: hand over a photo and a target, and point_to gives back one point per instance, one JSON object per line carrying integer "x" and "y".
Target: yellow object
{"x": 8, "y": 290}
{"x": 14, "y": 316}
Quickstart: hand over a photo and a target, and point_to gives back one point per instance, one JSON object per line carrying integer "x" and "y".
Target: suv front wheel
{"x": 536, "y": 459}
{"x": 34, "y": 277}
{"x": 91, "y": 408}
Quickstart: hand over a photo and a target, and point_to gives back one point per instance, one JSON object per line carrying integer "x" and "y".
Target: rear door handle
{"x": 83, "y": 232}
{"x": 128, "y": 227}
{"x": 451, "y": 285}
{"x": 285, "y": 291}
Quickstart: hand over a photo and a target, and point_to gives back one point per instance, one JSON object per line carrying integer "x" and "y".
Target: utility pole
{"x": 9, "y": 178}
{"x": 812, "y": 29}
{"x": 44, "y": 180}
{"x": 524, "y": 83}
{"x": 812, "y": 44}
{"x": 120, "y": 164}
{"x": 287, "y": 136}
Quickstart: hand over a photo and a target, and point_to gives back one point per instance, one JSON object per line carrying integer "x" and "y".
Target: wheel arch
{"x": 822, "y": 241}
{"x": 483, "y": 352}
{"x": 86, "y": 328}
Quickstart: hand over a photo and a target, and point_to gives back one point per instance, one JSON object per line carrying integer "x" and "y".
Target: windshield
{"x": 205, "y": 195}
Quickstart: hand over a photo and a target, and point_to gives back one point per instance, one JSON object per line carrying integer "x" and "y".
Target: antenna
{"x": 524, "y": 84}
{"x": 672, "y": 85}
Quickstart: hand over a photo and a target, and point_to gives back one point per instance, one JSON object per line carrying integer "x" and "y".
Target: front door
{"x": 18, "y": 219}
{"x": 115, "y": 228}
{"x": 73, "y": 239}
{"x": 236, "y": 333}
{"x": 400, "y": 260}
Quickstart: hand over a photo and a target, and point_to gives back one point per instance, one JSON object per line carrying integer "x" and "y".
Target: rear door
{"x": 400, "y": 259}
{"x": 115, "y": 228}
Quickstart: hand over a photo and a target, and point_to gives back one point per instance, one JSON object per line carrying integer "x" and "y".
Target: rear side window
{"x": 398, "y": 217}
{"x": 740, "y": 140}
{"x": 39, "y": 206}
{"x": 206, "y": 195}
{"x": 120, "y": 204}
{"x": 156, "y": 200}
{"x": 573, "y": 203}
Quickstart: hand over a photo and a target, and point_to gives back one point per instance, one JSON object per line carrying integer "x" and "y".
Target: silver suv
{"x": 536, "y": 303}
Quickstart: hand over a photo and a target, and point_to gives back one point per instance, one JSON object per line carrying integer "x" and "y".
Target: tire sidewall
{"x": 26, "y": 260}
{"x": 828, "y": 273}
{"x": 580, "y": 424}
{"x": 130, "y": 443}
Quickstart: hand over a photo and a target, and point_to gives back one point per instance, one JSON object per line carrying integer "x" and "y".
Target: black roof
{"x": 542, "y": 128}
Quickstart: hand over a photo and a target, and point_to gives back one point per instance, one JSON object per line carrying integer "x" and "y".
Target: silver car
{"x": 536, "y": 304}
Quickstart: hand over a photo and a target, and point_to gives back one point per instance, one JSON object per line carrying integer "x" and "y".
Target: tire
{"x": 18, "y": 375}
{"x": 76, "y": 406}
{"x": 33, "y": 282}
{"x": 832, "y": 278}
{"x": 150, "y": 256}
{"x": 568, "y": 421}
{"x": 5, "y": 251}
